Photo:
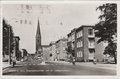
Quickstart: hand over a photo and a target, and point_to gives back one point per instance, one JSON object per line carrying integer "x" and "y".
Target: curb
{"x": 6, "y": 67}
{"x": 57, "y": 62}
{"x": 85, "y": 65}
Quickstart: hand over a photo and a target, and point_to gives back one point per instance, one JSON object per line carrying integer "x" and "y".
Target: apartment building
{"x": 52, "y": 51}
{"x": 61, "y": 46}
{"x": 84, "y": 44}
{"x": 46, "y": 52}
{"x": 17, "y": 52}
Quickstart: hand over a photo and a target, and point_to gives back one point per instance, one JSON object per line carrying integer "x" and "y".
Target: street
{"x": 35, "y": 67}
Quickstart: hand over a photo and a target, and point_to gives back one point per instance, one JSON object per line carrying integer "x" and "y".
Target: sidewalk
{"x": 5, "y": 65}
{"x": 89, "y": 64}
{"x": 98, "y": 65}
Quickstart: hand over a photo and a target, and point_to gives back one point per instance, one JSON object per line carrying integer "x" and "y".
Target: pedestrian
{"x": 94, "y": 60}
{"x": 73, "y": 61}
{"x": 13, "y": 61}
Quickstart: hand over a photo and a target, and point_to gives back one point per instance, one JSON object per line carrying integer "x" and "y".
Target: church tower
{"x": 38, "y": 40}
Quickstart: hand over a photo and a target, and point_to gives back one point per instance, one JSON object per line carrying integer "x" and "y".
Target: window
{"x": 91, "y": 43}
{"x": 90, "y": 31}
{"x": 79, "y": 44}
{"x": 73, "y": 38}
{"x": 79, "y": 34}
{"x": 79, "y": 54}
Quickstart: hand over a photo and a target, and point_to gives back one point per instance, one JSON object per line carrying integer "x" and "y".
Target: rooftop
{"x": 75, "y": 29}
{"x": 62, "y": 39}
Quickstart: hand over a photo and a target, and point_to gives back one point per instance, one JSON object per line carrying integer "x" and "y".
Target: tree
{"x": 5, "y": 38}
{"x": 7, "y": 34}
{"x": 70, "y": 50}
{"x": 106, "y": 29}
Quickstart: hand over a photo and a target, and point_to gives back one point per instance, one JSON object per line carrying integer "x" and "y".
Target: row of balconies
{"x": 89, "y": 36}
{"x": 90, "y": 45}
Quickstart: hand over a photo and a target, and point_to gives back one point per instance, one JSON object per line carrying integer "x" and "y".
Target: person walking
{"x": 73, "y": 61}
{"x": 13, "y": 61}
{"x": 94, "y": 60}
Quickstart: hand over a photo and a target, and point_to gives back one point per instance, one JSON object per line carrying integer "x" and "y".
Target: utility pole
{"x": 15, "y": 48}
{"x": 9, "y": 47}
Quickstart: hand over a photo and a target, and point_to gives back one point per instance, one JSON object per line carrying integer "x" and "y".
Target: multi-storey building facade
{"x": 72, "y": 38}
{"x": 61, "y": 46}
{"x": 17, "y": 53}
{"x": 84, "y": 43}
{"x": 52, "y": 51}
{"x": 46, "y": 52}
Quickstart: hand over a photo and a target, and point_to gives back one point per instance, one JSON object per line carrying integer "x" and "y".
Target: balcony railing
{"x": 91, "y": 46}
{"x": 91, "y": 36}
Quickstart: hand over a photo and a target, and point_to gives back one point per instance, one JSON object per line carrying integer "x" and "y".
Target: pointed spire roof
{"x": 38, "y": 33}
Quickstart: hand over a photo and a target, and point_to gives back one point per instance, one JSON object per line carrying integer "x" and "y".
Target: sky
{"x": 56, "y": 20}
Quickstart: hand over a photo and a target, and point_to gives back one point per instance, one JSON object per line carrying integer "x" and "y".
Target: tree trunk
{"x": 115, "y": 59}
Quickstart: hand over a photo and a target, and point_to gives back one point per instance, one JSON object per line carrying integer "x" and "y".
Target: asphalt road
{"x": 34, "y": 67}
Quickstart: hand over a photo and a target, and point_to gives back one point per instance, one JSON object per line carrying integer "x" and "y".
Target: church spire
{"x": 38, "y": 39}
{"x": 38, "y": 33}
